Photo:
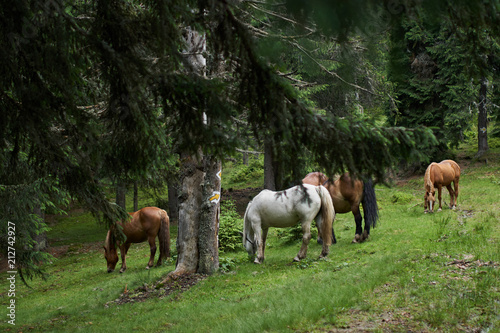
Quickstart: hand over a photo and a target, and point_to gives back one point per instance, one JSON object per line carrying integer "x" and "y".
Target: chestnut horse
{"x": 347, "y": 194}
{"x": 144, "y": 225}
{"x": 438, "y": 175}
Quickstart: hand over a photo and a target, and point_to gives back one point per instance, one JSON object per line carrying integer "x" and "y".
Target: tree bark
{"x": 190, "y": 200}
{"x": 482, "y": 120}
{"x": 209, "y": 217}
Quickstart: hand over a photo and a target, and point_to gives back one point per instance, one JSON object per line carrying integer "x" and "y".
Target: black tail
{"x": 370, "y": 207}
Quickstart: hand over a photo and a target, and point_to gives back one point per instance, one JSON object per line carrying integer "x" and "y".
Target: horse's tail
{"x": 327, "y": 215}
{"x": 247, "y": 225}
{"x": 164, "y": 235}
{"x": 370, "y": 207}
{"x": 429, "y": 185}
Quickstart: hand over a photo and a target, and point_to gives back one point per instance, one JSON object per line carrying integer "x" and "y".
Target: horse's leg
{"x": 123, "y": 252}
{"x": 152, "y": 250}
{"x": 452, "y": 196}
{"x": 440, "y": 188}
{"x": 259, "y": 258}
{"x": 318, "y": 225}
{"x": 358, "y": 237}
{"x": 264, "y": 237}
{"x": 455, "y": 185}
{"x": 306, "y": 237}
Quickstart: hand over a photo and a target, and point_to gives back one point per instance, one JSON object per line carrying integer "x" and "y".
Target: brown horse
{"x": 347, "y": 194}
{"x": 144, "y": 225}
{"x": 438, "y": 175}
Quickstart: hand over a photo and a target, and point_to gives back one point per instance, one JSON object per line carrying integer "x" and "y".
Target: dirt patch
{"x": 175, "y": 285}
{"x": 241, "y": 197}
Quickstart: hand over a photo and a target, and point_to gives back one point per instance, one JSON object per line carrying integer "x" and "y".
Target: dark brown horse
{"x": 144, "y": 225}
{"x": 438, "y": 175}
{"x": 347, "y": 194}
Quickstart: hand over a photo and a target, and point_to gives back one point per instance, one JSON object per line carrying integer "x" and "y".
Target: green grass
{"x": 418, "y": 272}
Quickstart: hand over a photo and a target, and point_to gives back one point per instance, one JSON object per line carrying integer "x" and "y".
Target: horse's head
{"x": 430, "y": 199}
{"x": 110, "y": 254}
{"x": 249, "y": 243}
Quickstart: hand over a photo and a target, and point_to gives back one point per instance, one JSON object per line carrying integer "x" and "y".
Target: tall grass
{"x": 419, "y": 272}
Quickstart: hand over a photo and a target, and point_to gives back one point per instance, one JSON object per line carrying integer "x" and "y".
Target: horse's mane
{"x": 427, "y": 179}
{"x": 110, "y": 242}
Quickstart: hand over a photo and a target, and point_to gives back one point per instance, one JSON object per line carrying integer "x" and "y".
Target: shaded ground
{"x": 175, "y": 285}
{"x": 241, "y": 197}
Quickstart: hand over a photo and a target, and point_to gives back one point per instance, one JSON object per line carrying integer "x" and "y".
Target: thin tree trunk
{"x": 121, "y": 191}
{"x": 173, "y": 199}
{"x": 136, "y": 197}
{"x": 269, "y": 177}
{"x": 482, "y": 120}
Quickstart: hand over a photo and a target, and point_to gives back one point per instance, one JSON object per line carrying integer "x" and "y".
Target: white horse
{"x": 301, "y": 203}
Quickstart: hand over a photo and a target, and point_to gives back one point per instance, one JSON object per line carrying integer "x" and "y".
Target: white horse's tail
{"x": 327, "y": 215}
{"x": 247, "y": 234}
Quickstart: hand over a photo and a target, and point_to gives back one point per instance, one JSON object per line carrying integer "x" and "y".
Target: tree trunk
{"x": 136, "y": 197}
{"x": 173, "y": 199}
{"x": 269, "y": 177}
{"x": 209, "y": 217}
{"x": 190, "y": 200}
{"x": 121, "y": 191}
{"x": 482, "y": 120}
{"x": 197, "y": 247}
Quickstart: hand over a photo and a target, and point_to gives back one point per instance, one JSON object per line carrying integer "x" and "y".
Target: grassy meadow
{"x": 417, "y": 273}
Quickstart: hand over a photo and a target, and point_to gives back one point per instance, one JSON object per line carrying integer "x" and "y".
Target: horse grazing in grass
{"x": 144, "y": 225}
{"x": 438, "y": 175}
{"x": 299, "y": 204}
{"x": 347, "y": 194}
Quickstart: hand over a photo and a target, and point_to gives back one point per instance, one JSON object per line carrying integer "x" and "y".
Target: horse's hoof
{"x": 357, "y": 238}
{"x": 439, "y": 209}
{"x": 111, "y": 270}
{"x": 122, "y": 270}
{"x": 257, "y": 261}
{"x": 296, "y": 259}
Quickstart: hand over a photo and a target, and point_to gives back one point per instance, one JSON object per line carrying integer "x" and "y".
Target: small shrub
{"x": 254, "y": 169}
{"x": 230, "y": 227}
{"x": 292, "y": 234}
{"x": 401, "y": 198}
{"x": 226, "y": 264}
